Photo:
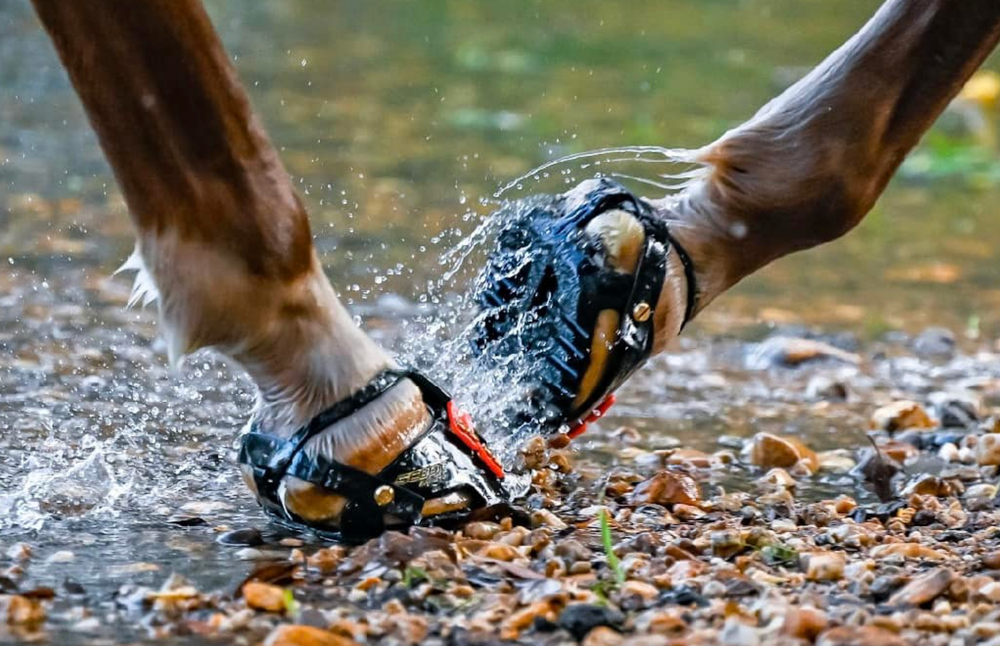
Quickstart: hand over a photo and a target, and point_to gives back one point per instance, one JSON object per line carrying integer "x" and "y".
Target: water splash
{"x": 495, "y": 390}
{"x": 595, "y": 161}
{"x": 88, "y": 487}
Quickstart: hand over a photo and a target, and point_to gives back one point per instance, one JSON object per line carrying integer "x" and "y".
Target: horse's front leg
{"x": 223, "y": 243}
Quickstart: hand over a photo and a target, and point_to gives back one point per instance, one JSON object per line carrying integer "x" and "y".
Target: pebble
{"x": 992, "y": 560}
{"x": 264, "y": 596}
{"x": 602, "y": 636}
{"x": 19, "y": 552}
{"x": 249, "y": 537}
{"x": 579, "y": 619}
{"x": 949, "y": 452}
{"x": 900, "y": 415}
{"x": 88, "y": 625}
{"x": 640, "y": 589}
{"x": 573, "y": 550}
{"x": 687, "y": 512}
{"x": 545, "y": 518}
{"x": 901, "y": 452}
{"x": 823, "y": 566}
{"x": 924, "y": 588}
{"x": 859, "y": 636}
{"x": 62, "y": 556}
{"x": 482, "y": 531}
{"x": 935, "y": 343}
{"x": 204, "y": 508}
{"x": 987, "y": 450}
{"x": 835, "y": 461}
{"x": 929, "y": 485}
{"x": 792, "y": 351}
{"x": 499, "y": 551}
{"x": 824, "y": 388}
{"x": 736, "y": 633}
{"x": 804, "y": 622}
{"x": 326, "y": 560}
{"x": 981, "y": 490}
{"x": 907, "y": 551}
{"x": 727, "y": 543}
{"x": 990, "y": 591}
{"x": 692, "y": 458}
{"x": 297, "y": 635}
{"x": 779, "y": 478}
{"x": 520, "y": 620}
{"x": 667, "y": 488}
{"x": 956, "y": 410}
{"x": 768, "y": 450}
{"x": 21, "y": 611}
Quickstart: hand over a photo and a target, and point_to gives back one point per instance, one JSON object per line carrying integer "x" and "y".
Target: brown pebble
{"x": 602, "y": 636}
{"x": 794, "y": 351}
{"x": 326, "y": 560}
{"x": 667, "y": 622}
{"x": 901, "y": 452}
{"x": 499, "y": 551}
{"x": 21, "y": 611}
{"x": 522, "y": 619}
{"x": 992, "y": 561}
{"x": 901, "y": 415}
{"x": 823, "y": 566}
{"x": 923, "y": 589}
{"x": 908, "y": 551}
{"x": 987, "y": 450}
{"x": 778, "y": 477}
{"x": 667, "y": 488}
{"x": 640, "y": 589}
{"x": 990, "y": 591}
{"x": 535, "y": 454}
{"x": 296, "y": 635}
{"x": 929, "y": 485}
{"x": 859, "y": 636}
{"x": 545, "y": 518}
{"x": 727, "y": 543}
{"x": 805, "y": 622}
{"x": 264, "y": 596}
{"x": 482, "y": 531}
{"x": 768, "y": 451}
{"x": 573, "y": 550}
{"x": 687, "y": 512}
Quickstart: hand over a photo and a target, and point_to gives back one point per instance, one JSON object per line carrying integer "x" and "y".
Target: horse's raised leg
{"x": 600, "y": 279}
{"x": 811, "y": 163}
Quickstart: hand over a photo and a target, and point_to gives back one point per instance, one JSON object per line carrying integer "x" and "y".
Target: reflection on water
{"x": 397, "y": 119}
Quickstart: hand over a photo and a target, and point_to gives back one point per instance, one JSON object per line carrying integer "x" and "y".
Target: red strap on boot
{"x": 460, "y": 423}
{"x": 593, "y": 416}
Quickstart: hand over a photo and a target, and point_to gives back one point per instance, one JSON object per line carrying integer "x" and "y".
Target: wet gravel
{"x": 730, "y": 498}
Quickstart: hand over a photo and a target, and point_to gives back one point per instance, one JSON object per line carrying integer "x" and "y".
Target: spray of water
{"x": 132, "y": 464}
{"x": 89, "y": 486}
{"x": 496, "y": 390}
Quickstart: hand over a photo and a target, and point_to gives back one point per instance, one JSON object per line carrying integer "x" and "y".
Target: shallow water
{"x": 396, "y": 119}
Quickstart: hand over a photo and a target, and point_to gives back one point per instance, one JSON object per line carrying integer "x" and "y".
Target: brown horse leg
{"x": 811, "y": 163}
{"x": 223, "y": 235}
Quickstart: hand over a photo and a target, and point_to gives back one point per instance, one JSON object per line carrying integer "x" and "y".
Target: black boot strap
{"x": 448, "y": 456}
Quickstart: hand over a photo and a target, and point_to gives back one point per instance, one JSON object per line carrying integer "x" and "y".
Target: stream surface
{"x": 398, "y": 121}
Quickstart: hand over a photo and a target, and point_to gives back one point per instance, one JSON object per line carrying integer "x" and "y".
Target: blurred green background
{"x": 397, "y": 116}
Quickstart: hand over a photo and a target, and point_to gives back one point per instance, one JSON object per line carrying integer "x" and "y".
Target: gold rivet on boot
{"x": 641, "y": 312}
{"x": 384, "y": 495}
